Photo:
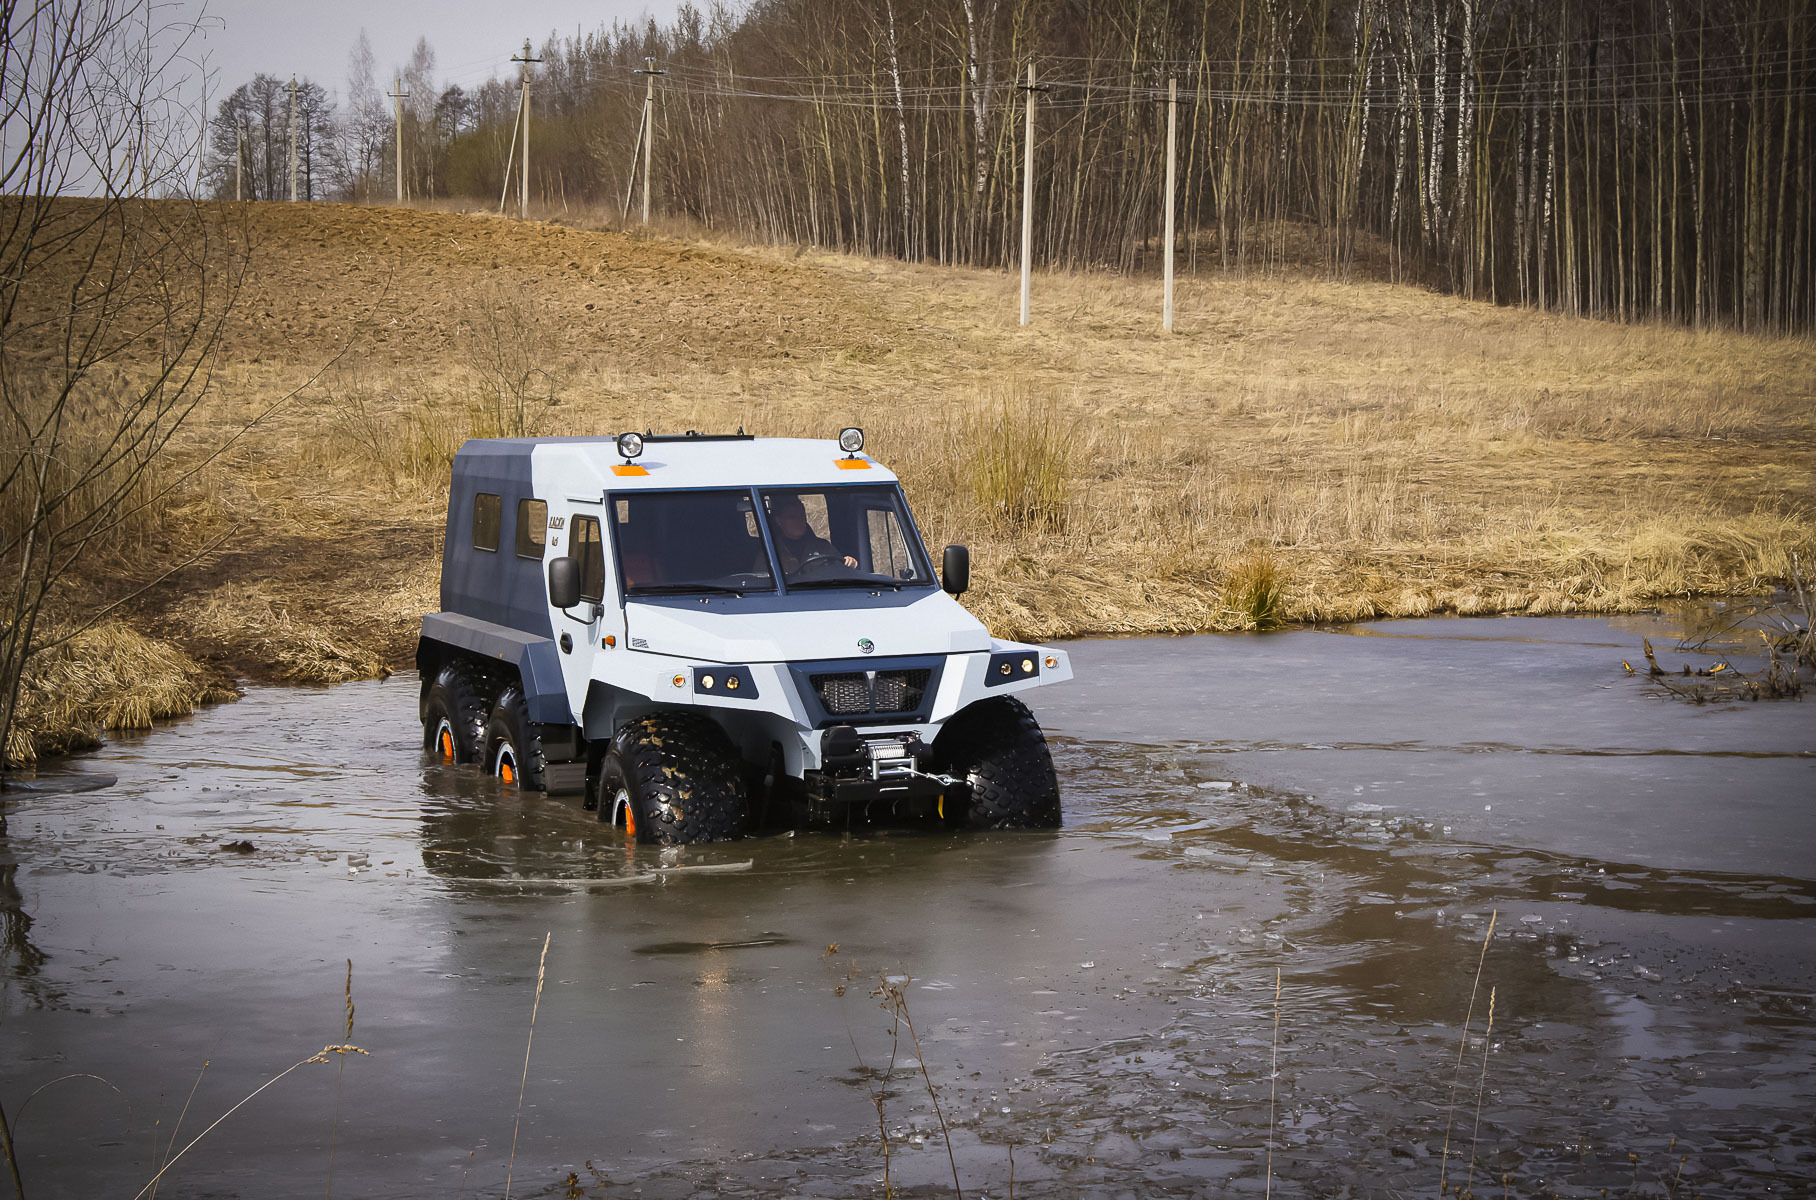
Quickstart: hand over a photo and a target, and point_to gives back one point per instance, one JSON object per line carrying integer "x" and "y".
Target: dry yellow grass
{"x": 1387, "y": 450}
{"x": 110, "y": 677}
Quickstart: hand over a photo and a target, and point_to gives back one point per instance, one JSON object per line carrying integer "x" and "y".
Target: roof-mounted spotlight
{"x": 630, "y": 445}
{"x": 851, "y": 440}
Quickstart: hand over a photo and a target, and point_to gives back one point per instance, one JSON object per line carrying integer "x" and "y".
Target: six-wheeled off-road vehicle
{"x": 709, "y": 634}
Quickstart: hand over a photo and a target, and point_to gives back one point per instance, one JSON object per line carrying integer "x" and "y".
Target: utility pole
{"x": 649, "y": 125}
{"x": 523, "y": 194}
{"x": 1166, "y": 307}
{"x": 398, "y": 94}
{"x": 1028, "y": 193}
{"x": 239, "y": 161}
{"x": 293, "y": 139}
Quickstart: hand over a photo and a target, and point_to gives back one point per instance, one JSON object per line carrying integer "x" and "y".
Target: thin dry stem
{"x": 1481, "y": 1089}
{"x": 1273, "y": 1080}
{"x": 524, "y": 1083}
{"x": 187, "y": 1101}
{"x": 321, "y": 1056}
{"x": 340, "y": 1071}
{"x": 1462, "y": 1047}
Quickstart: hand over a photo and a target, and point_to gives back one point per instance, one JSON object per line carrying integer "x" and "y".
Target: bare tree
{"x": 368, "y": 121}
{"x": 111, "y": 304}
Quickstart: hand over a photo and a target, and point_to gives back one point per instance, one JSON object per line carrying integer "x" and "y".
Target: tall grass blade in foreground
{"x": 187, "y": 1101}
{"x": 524, "y": 1083}
{"x": 12, "y": 1162}
{"x": 894, "y": 994}
{"x": 321, "y": 1056}
{"x": 1451, "y": 1116}
{"x": 1481, "y": 1088}
{"x": 340, "y": 1070}
{"x": 1273, "y": 1080}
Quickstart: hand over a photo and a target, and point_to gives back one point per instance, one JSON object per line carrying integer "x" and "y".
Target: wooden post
{"x": 1166, "y": 308}
{"x": 649, "y": 131}
{"x": 1027, "y": 246}
{"x": 647, "y": 134}
{"x": 523, "y": 192}
{"x": 398, "y": 94}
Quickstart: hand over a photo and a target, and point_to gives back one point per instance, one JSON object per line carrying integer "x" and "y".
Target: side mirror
{"x": 955, "y": 570}
{"x": 564, "y": 582}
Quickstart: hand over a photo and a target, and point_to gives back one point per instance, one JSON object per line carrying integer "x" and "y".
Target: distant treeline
{"x": 1630, "y": 158}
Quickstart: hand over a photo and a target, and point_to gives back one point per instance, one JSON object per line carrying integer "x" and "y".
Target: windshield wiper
{"x": 676, "y": 589}
{"x": 844, "y": 581}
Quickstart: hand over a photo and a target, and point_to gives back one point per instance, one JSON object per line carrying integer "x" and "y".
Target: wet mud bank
{"x": 1343, "y": 812}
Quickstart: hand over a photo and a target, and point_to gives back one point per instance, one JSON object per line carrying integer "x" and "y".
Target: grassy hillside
{"x": 1300, "y": 450}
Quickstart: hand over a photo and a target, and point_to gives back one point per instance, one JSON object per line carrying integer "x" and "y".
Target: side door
{"x": 576, "y": 529}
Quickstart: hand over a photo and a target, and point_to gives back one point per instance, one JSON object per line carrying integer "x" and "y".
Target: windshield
{"x": 844, "y": 537}
{"x": 672, "y": 542}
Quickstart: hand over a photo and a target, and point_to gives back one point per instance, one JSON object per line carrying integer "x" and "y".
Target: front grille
{"x": 843, "y": 695}
{"x": 900, "y": 691}
{"x": 856, "y": 693}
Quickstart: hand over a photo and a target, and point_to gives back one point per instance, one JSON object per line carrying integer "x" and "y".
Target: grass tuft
{"x": 1255, "y": 591}
{"x": 1020, "y": 460}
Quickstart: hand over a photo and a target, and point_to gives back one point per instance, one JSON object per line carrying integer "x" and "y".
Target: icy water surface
{"x": 1344, "y": 812}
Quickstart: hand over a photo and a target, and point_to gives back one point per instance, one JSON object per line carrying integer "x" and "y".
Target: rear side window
{"x": 487, "y": 508}
{"x": 586, "y": 547}
{"x": 532, "y": 527}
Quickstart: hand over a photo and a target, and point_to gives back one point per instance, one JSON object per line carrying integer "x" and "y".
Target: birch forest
{"x": 1633, "y": 159}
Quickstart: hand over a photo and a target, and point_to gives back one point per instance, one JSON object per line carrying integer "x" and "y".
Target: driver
{"x": 795, "y": 541}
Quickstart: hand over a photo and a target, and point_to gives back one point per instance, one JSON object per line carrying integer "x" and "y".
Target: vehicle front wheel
{"x": 997, "y": 748}
{"x": 513, "y": 745}
{"x": 455, "y": 714}
{"x": 675, "y": 779}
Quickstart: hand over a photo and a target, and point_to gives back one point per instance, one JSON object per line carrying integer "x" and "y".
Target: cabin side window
{"x": 587, "y": 548}
{"x": 532, "y": 528}
{"x": 488, "y": 510}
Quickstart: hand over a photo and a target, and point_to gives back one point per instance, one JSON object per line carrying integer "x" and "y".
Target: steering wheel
{"x": 818, "y": 560}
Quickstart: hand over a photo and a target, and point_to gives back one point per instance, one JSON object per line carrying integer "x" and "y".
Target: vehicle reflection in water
{"x": 1102, "y": 997}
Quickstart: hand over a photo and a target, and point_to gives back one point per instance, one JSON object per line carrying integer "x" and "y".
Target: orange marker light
{"x": 1052, "y": 662}
{"x": 610, "y": 641}
{"x": 629, "y": 469}
{"x": 852, "y": 464}
{"x": 679, "y": 681}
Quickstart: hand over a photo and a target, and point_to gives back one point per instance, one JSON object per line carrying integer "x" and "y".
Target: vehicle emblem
{"x": 866, "y": 645}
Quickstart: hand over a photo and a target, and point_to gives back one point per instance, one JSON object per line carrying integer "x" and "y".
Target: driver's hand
{"x": 850, "y": 561}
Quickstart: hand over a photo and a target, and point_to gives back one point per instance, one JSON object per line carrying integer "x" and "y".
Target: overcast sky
{"x": 472, "y": 40}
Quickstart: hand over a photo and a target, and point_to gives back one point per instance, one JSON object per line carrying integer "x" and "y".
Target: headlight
{"x": 725, "y": 681}
{"x": 851, "y": 440}
{"x": 630, "y": 445}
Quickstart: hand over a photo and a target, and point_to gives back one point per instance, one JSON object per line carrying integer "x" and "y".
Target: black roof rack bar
{"x": 692, "y": 436}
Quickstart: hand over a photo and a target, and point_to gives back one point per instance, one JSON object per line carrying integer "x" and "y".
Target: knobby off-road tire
{"x": 513, "y": 744}
{"x": 997, "y": 748}
{"x": 681, "y": 778}
{"x": 455, "y": 715}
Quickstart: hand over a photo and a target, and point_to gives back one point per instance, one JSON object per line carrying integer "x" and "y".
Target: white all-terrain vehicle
{"x": 726, "y": 633}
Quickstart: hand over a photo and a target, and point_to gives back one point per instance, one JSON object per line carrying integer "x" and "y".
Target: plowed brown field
{"x": 1359, "y": 448}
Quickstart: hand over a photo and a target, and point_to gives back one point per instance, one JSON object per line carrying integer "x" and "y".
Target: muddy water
{"x": 1346, "y": 812}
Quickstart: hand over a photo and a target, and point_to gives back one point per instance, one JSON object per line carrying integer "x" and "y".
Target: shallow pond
{"x": 1253, "y": 947}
